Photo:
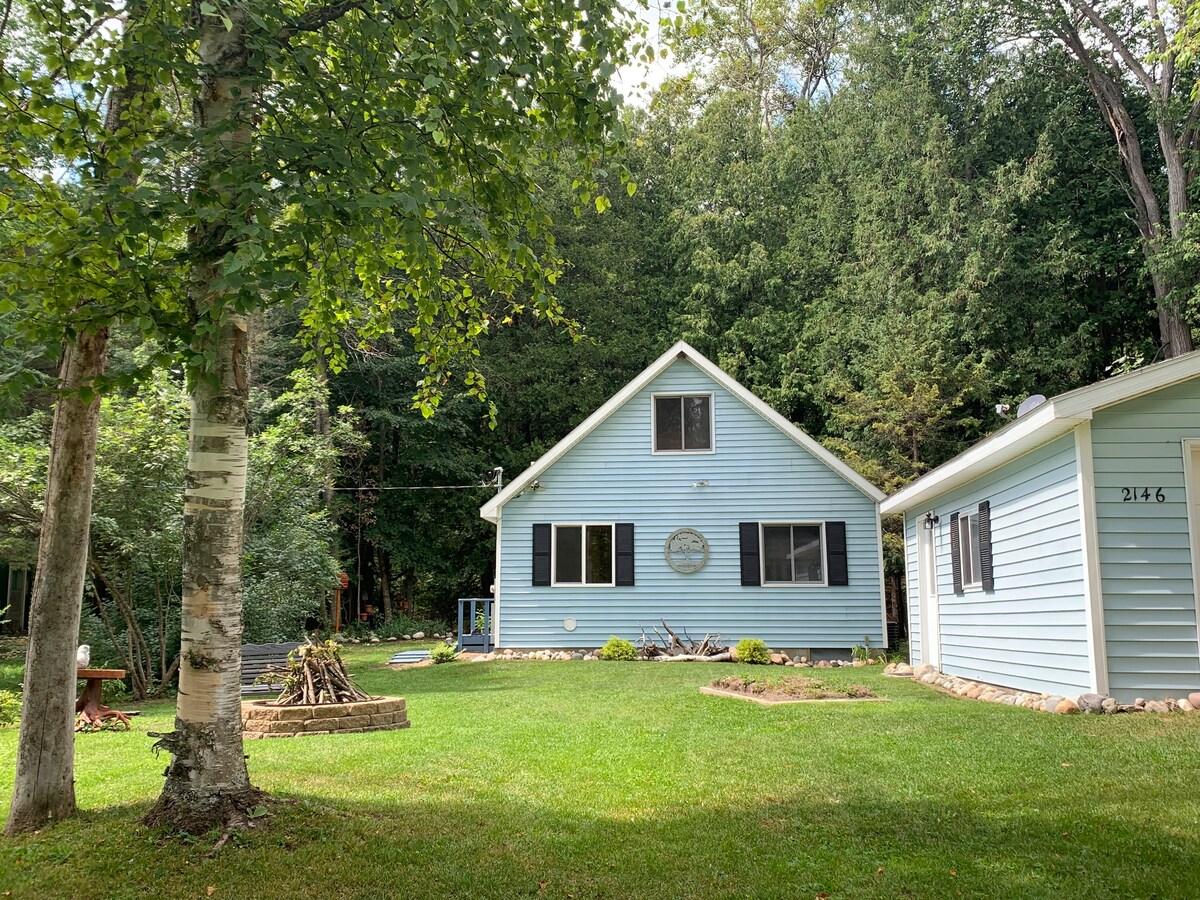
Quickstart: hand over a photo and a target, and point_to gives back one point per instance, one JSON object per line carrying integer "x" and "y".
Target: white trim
{"x": 1052, "y": 419}
{"x": 882, "y": 579}
{"x": 1191, "y": 447}
{"x": 1093, "y": 589}
{"x": 927, "y": 596}
{"x": 584, "y": 526}
{"x": 496, "y": 581}
{"x": 682, "y": 395}
{"x": 762, "y": 558}
{"x": 681, "y": 350}
{"x": 976, "y": 550}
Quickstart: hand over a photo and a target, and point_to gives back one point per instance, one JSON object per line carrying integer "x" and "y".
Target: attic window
{"x": 683, "y": 423}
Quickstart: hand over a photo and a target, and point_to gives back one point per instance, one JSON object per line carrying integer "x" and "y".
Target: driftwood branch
{"x": 682, "y": 649}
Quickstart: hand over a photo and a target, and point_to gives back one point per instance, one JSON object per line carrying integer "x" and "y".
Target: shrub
{"x": 443, "y": 653}
{"x": 10, "y": 707}
{"x": 618, "y": 649}
{"x": 753, "y": 651}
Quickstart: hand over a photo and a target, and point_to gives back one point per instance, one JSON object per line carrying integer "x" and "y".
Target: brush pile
{"x": 673, "y": 648}
{"x": 314, "y": 675}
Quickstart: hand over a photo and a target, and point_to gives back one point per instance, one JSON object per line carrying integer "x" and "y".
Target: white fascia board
{"x": 681, "y": 350}
{"x": 1052, "y": 419}
{"x": 490, "y": 510}
{"x": 798, "y": 435}
{"x": 1027, "y": 433}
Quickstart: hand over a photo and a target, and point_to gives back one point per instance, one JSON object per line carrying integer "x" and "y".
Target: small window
{"x": 968, "y": 549}
{"x": 793, "y": 554}
{"x": 683, "y": 424}
{"x": 583, "y": 554}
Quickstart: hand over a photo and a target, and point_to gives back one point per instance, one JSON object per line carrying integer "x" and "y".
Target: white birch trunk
{"x": 44, "y": 789}
{"x": 207, "y": 784}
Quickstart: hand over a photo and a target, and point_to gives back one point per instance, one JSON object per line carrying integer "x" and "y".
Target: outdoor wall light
{"x": 930, "y": 521}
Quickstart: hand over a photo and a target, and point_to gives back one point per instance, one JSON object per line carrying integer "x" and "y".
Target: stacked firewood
{"x": 314, "y": 674}
{"x": 673, "y": 648}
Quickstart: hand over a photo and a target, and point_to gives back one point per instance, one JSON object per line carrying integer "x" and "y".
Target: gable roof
{"x": 1054, "y": 418}
{"x": 681, "y": 350}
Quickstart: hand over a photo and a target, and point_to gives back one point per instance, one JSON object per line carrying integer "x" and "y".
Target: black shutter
{"x": 624, "y": 539}
{"x": 541, "y": 555}
{"x": 748, "y": 535}
{"x": 985, "y": 546}
{"x": 835, "y": 553}
{"x": 955, "y": 557}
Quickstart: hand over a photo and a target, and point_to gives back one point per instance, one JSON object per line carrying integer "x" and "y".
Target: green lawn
{"x": 575, "y": 780}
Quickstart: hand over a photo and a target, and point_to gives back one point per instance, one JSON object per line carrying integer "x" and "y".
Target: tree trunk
{"x": 44, "y": 790}
{"x": 385, "y": 583}
{"x": 207, "y": 784}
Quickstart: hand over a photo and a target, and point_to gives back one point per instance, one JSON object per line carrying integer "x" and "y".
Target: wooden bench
{"x": 256, "y": 659}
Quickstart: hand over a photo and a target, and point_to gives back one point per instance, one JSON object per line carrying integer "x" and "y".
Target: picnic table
{"x": 89, "y": 709}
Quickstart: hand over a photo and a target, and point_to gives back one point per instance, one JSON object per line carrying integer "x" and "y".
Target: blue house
{"x": 686, "y": 498}
{"x": 1060, "y": 554}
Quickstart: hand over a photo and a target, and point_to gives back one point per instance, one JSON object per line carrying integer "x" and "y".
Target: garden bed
{"x": 791, "y": 689}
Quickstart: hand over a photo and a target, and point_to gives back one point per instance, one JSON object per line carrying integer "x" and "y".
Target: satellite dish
{"x": 1030, "y": 403}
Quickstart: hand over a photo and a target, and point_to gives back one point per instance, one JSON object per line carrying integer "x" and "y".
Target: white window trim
{"x": 712, "y": 422}
{"x": 762, "y": 559}
{"x": 612, "y": 575}
{"x": 965, "y": 516}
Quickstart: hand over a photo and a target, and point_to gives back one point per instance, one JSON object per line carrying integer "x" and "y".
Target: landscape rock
{"x": 1157, "y": 706}
{"x": 777, "y": 659}
{"x": 859, "y": 663}
{"x": 374, "y": 640}
{"x": 1110, "y": 705}
{"x": 1194, "y": 699}
{"x": 803, "y": 659}
{"x": 1052, "y": 701}
{"x": 1091, "y": 703}
{"x": 418, "y": 635}
{"x": 823, "y": 664}
{"x": 923, "y": 669}
{"x": 407, "y": 637}
{"x": 390, "y": 639}
{"x": 1066, "y": 707}
{"x": 577, "y": 656}
{"x": 1186, "y": 706}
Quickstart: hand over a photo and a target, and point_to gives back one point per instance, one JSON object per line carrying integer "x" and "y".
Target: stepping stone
{"x": 410, "y": 656}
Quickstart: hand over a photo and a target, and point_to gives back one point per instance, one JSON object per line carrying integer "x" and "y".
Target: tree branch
{"x": 1119, "y": 45}
{"x": 317, "y": 17}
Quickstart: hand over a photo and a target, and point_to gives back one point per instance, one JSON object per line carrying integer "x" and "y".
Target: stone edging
{"x": 762, "y": 701}
{"x": 1052, "y": 703}
{"x": 262, "y": 719}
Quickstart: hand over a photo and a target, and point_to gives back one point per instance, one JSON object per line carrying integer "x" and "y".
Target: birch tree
{"x": 364, "y": 159}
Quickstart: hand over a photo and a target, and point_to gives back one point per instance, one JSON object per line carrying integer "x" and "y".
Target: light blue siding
{"x": 756, "y": 474}
{"x": 1030, "y": 632}
{"x": 1145, "y": 547}
{"x": 912, "y": 572}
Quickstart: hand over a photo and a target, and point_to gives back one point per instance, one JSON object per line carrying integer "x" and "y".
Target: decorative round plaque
{"x": 686, "y": 550}
{"x": 569, "y": 623}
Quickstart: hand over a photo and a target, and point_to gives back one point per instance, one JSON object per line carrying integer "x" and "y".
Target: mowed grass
{"x": 577, "y": 780}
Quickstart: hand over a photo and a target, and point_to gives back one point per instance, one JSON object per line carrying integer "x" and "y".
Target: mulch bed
{"x": 791, "y": 689}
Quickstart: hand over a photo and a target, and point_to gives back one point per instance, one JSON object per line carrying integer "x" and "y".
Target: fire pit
{"x": 318, "y": 697}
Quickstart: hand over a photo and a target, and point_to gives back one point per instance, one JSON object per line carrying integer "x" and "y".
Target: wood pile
{"x": 673, "y": 648}
{"x": 314, "y": 675}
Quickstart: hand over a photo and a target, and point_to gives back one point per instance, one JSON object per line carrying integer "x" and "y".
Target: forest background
{"x": 884, "y": 217}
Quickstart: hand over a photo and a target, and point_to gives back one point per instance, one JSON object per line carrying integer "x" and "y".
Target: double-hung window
{"x": 793, "y": 554}
{"x": 968, "y": 549}
{"x": 583, "y": 554}
{"x": 683, "y": 423}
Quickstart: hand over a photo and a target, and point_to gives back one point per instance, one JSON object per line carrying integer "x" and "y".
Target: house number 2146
{"x": 1129, "y": 495}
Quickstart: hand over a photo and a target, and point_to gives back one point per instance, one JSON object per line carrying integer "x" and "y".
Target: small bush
{"x": 753, "y": 651}
{"x": 443, "y": 653}
{"x": 10, "y": 707}
{"x": 618, "y": 649}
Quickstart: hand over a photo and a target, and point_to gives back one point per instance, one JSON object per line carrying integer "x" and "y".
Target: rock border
{"x": 1087, "y": 703}
{"x": 761, "y": 701}
{"x": 262, "y": 719}
{"x": 778, "y": 658}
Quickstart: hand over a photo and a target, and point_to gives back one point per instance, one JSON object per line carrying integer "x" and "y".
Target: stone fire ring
{"x": 263, "y": 719}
